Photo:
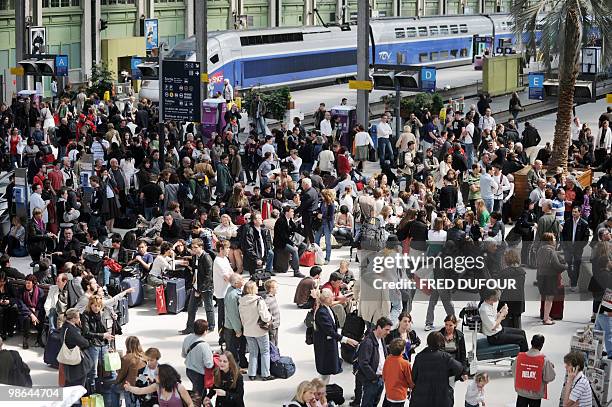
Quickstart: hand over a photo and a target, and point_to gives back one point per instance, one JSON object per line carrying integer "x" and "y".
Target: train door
{"x": 215, "y": 64}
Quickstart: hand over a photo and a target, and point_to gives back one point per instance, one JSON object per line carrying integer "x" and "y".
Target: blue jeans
{"x": 295, "y": 257}
{"x": 327, "y": 229}
{"x": 97, "y": 356}
{"x": 603, "y": 323}
{"x": 372, "y": 393}
{"x": 148, "y": 213}
{"x": 270, "y": 260}
{"x": 469, "y": 151}
{"x": 385, "y": 150}
{"x": 489, "y": 204}
{"x": 259, "y": 345}
{"x": 260, "y": 125}
{"x": 117, "y": 391}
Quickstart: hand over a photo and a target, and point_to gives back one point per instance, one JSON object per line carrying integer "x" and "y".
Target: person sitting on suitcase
{"x": 68, "y": 249}
{"x": 491, "y": 323}
{"x": 283, "y": 231}
{"x": 143, "y": 260}
{"x": 162, "y": 263}
{"x": 57, "y": 301}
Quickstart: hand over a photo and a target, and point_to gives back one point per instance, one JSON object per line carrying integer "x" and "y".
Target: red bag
{"x": 307, "y": 259}
{"x": 113, "y": 266}
{"x": 160, "y": 300}
{"x": 209, "y": 374}
{"x": 266, "y": 209}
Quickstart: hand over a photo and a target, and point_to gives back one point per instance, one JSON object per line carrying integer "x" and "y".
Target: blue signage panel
{"x": 536, "y": 86}
{"x": 428, "y": 79}
{"x": 151, "y": 34}
{"x": 136, "y": 73}
{"x": 61, "y": 65}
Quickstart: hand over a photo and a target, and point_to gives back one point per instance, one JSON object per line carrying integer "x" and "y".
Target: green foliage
{"x": 422, "y": 101}
{"x": 101, "y": 80}
{"x": 276, "y": 101}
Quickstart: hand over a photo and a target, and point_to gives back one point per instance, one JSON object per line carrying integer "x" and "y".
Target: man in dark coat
{"x": 369, "y": 370}
{"x": 574, "y": 238}
{"x": 225, "y": 182}
{"x": 308, "y": 204}
{"x": 256, "y": 245}
{"x": 202, "y": 266}
{"x": 13, "y": 370}
{"x": 430, "y": 372}
{"x": 284, "y": 229}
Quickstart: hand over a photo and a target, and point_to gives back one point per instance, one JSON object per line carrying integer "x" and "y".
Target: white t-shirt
{"x": 383, "y": 130}
{"x": 488, "y": 316}
{"x": 469, "y": 133}
{"x": 221, "y": 269}
{"x": 381, "y": 357}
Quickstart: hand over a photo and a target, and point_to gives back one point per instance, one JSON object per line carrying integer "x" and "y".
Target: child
{"x": 146, "y": 376}
{"x": 397, "y": 375}
{"x": 474, "y": 396}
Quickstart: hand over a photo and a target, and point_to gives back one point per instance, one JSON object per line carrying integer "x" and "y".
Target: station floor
{"x": 162, "y": 331}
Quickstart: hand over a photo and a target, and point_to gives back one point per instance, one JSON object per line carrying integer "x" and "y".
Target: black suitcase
{"x": 334, "y": 393}
{"x": 486, "y": 351}
{"x": 281, "y": 261}
{"x": 134, "y": 298}
{"x": 176, "y": 295}
{"x": 52, "y": 348}
{"x": 123, "y": 313}
{"x": 260, "y": 277}
{"x": 354, "y": 327}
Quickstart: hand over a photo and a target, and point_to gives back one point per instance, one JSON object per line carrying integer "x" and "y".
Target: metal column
{"x": 363, "y": 65}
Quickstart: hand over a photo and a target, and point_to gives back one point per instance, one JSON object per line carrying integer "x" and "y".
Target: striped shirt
{"x": 581, "y": 391}
{"x": 558, "y": 208}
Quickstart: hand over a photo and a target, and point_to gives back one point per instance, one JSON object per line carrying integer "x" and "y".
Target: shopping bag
{"x": 96, "y": 400}
{"x": 307, "y": 259}
{"x": 160, "y": 300}
{"x": 112, "y": 361}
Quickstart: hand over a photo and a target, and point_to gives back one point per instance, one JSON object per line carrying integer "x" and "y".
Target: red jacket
{"x": 344, "y": 166}
{"x": 56, "y": 178}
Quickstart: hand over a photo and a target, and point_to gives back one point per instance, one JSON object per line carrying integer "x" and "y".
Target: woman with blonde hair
{"x": 304, "y": 396}
{"x": 133, "y": 360}
{"x": 327, "y": 214}
{"x": 482, "y": 214}
{"x": 226, "y": 230}
{"x": 320, "y": 392}
{"x": 238, "y": 200}
{"x": 94, "y": 330}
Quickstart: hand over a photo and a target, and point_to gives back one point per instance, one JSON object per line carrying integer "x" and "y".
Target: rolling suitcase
{"x": 260, "y": 277}
{"x": 176, "y": 296}
{"x": 135, "y": 298}
{"x": 123, "y": 315}
{"x": 281, "y": 261}
{"x": 486, "y": 351}
{"x": 52, "y": 348}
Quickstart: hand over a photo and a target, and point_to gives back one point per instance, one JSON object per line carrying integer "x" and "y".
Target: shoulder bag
{"x": 70, "y": 357}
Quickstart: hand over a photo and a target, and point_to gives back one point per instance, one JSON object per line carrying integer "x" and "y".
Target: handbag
{"x": 262, "y": 324}
{"x": 112, "y": 361}
{"x": 160, "y": 300}
{"x": 70, "y": 357}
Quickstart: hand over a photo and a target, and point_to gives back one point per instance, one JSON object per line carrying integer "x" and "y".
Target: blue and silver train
{"x": 303, "y": 56}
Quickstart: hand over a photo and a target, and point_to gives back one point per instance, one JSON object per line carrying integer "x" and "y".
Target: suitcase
{"x": 176, "y": 295}
{"x": 52, "y": 348}
{"x": 283, "y": 369}
{"x": 125, "y": 222}
{"x": 486, "y": 351}
{"x": 281, "y": 261}
{"x": 372, "y": 155}
{"x": 334, "y": 393}
{"x": 135, "y": 298}
{"x": 114, "y": 285}
{"x": 307, "y": 259}
{"x": 123, "y": 313}
{"x": 260, "y": 277}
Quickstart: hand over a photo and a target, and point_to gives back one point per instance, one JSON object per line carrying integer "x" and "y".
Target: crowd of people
{"x": 225, "y": 216}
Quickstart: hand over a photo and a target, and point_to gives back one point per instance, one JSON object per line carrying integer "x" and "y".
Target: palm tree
{"x": 564, "y": 27}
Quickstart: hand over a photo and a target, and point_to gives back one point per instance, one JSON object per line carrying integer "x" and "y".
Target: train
{"x": 311, "y": 55}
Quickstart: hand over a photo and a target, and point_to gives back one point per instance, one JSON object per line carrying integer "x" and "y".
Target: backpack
{"x": 373, "y": 235}
{"x": 209, "y": 373}
{"x": 184, "y": 194}
{"x": 202, "y": 191}
{"x": 476, "y": 137}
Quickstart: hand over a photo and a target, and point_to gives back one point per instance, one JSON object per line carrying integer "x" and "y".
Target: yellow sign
{"x": 204, "y": 77}
{"x": 360, "y": 85}
{"x": 609, "y": 98}
{"x": 18, "y": 70}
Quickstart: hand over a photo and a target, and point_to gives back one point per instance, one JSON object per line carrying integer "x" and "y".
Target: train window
{"x": 443, "y": 55}
{"x": 454, "y": 53}
{"x": 454, "y": 29}
{"x": 411, "y": 32}
{"x": 463, "y": 28}
{"x": 400, "y": 33}
{"x": 271, "y": 39}
{"x": 433, "y": 30}
{"x": 510, "y": 24}
{"x": 423, "y": 57}
{"x": 434, "y": 56}
{"x": 443, "y": 30}
{"x": 422, "y": 31}
{"x": 464, "y": 53}
{"x": 214, "y": 59}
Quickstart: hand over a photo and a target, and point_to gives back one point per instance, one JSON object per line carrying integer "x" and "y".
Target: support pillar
{"x": 95, "y": 27}
{"x": 189, "y": 20}
{"x": 86, "y": 40}
{"x": 274, "y": 13}
{"x": 151, "y": 9}
{"x": 363, "y": 64}
{"x": 420, "y": 9}
{"x": 20, "y": 39}
{"x": 396, "y": 8}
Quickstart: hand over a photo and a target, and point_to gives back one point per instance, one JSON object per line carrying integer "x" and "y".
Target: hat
{"x": 392, "y": 242}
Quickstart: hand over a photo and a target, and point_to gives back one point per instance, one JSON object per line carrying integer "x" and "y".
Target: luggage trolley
{"x": 482, "y": 351}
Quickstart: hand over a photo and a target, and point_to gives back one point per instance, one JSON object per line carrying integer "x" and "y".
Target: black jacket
{"x": 455, "y": 234}
{"x": 251, "y": 249}
{"x": 415, "y": 341}
{"x": 234, "y": 397}
{"x": 203, "y": 272}
{"x": 418, "y": 232}
{"x": 460, "y": 355}
{"x": 531, "y": 137}
{"x": 515, "y": 298}
{"x": 430, "y": 373}
{"x": 448, "y": 197}
{"x": 309, "y": 201}
{"x": 283, "y": 231}
{"x": 13, "y": 370}
{"x": 171, "y": 233}
{"x": 92, "y": 328}
{"x": 368, "y": 358}
{"x": 582, "y": 234}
